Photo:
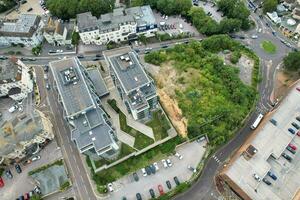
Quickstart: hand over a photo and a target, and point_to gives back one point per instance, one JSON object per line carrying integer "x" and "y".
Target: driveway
{"x": 192, "y": 154}
{"x": 22, "y": 183}
{"x": 212, "y": 8}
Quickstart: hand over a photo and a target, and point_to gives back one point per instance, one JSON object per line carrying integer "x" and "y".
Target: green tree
{"x": 269, "y": 5}
{"x": 36, "y": 197}
{"x": 143, "y": 39}
{"x": 75, "y": 38}
{"x": 173, "y": 7}
{"x": 6, "y": 5}
{"x": 229, "y": 25}
{"x": 292, "y": 61}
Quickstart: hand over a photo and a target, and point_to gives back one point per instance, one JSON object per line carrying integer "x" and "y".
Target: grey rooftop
{"x": 98, "y": 82}
{"x": 24, "y": 24}
{"x": 9, "y": 70}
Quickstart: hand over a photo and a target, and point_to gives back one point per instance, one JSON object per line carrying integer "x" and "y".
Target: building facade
{"x": 120, "y": 25}
{"x": 56, "y": 33}
{"x": 15, "y": 79}
{"x": 135, "y": 87}
{"x": 20, "y": 134}
{"x": 25, "y": 30}
{"x": 90, "y": 128}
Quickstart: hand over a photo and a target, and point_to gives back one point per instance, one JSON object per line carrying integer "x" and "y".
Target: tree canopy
{"x": 66, "y": 9}
{"x": 269, "y": 5}
{"x": 292, "y": 61}
{"x": 6, "y": 5}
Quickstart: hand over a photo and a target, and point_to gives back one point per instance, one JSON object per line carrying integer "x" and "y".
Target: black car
{"x": 148, "y": 170}
{"x": 298, "y": 118}
{"x": 135, "y": 176}
{"x": 98, "y": 55}
{"x": 18, "y": 168}
{"x": 168, "y": 184}
{"x": 80, "y": 56}
{"x": 138, "y": 196}
{"x": 295, "y": 125}
{"x": 287, "y": 157}
{"x": 176, "y": 180}
{"x": 46, "y": 68}
{"x": 151, "y": 191}
{"x": 124, "y": 198}
{"x": 95, "y": 59}
{"x": 165, "y": 46}
{"x": 153, "y": 170}
{"x": 8, "y": 174}
{"x": 30, "y": 9}
{"x": 266, "y": 181}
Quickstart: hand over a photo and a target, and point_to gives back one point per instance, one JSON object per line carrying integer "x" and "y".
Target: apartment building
{"x": 120, "y": 25}
{"x": 56, "y": 33}
{"x": 21, "y": 135}
{"x": 25, "y": 30}
{"x": 15, "y": 79}
{"x": 135, "y": 87}
{"x": 90, "y": 127}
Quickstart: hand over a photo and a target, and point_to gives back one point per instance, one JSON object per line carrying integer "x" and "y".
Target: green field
{"x": 268, "y": 47}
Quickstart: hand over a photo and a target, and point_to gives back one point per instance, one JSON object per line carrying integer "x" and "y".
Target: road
{"x": 205, "y": 188}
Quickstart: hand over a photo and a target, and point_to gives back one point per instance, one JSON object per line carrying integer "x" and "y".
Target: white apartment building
{"x": 120, "y": 25}
{"x": 26, "y": 30}
{"x": 15, "y": 79}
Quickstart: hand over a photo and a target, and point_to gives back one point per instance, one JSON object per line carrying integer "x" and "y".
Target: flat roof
{"x": 10, "y": 71}
{"x": 75, "y": 95}
{"x": 271, "y": 141}
{"x": 129, "y": 72}
{"x": 100, "y": 86}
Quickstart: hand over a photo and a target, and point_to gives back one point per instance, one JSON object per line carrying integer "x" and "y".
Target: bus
{"x": 257, "y": 121}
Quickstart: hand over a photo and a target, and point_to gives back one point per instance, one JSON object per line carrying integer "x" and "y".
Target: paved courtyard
{"x": 192, "y": 154}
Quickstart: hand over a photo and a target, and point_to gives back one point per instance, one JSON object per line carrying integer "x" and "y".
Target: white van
{"x": 12, "y": 109}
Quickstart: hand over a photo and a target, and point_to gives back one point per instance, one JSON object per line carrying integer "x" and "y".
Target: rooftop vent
{"x": 127, "y": 59}
{"x": 93, "y": 139}
{"x": 90, "y": 132}
{"x": 136, "y": 79}
{"x": 85, "y": 123}
{"x": 122, "y": 57}
{"x": 130, "y": 63}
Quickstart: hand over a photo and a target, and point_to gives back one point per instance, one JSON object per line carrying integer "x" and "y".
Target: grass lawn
{"x": 159, "y": 124}
{"x": 141, "y": 140}
{"x": 268, "y": 47}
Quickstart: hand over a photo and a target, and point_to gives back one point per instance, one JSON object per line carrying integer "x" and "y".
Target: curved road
{"x": 205, "y": 188}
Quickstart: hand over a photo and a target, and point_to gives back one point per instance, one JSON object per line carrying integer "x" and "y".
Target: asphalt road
{"x": 205, "y": 188}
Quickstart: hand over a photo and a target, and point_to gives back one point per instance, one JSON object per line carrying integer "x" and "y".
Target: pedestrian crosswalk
{"x": 216, "y": 159}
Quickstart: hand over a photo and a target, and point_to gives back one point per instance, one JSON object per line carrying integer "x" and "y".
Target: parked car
{"x": 37, "y": 190}
{"x": 298, "y": 133}
{"x": 272, "y": 175}
{"x": 201, "y": 139}
{"x": 295, "y": 125}
{"x": 292, "y": 146}
{"x": 18, "y": 168}
{"x": 135, "y": 176}
{"x": 29, "y": 9}
{"x": 98, "y": 55}
{"x": 80, "y": 56}
{"x": 298, "y": 118}
{"x": 152, "y": 194}
{"x": 176, "y": 180}
{"x": 35, "y": 158}
{"x": 21, "y": 197}
{"x": 256, "y": 177}
{"x": 168, "y": 184}
{"x": 152, "y": 168}
{"x": 148, "y": 170}
{"x": 291, "y": 131}
{"x": 192, "y": 169}
{"x": 290, "y": 149}
{"x": 156, "y": 166}
{"x": 287, "y": 157}
{"x": 138, "y": 196}
{"x": 266, "y": 181}
{"x": 26, "y": 196}
{"x": 164, "y": 162}
{"x": 254, "y": 36}
{"x": 48, "y": 86}
{"x": 273, "y": 121}
{"x": 1, "y": 182}
{"x": 110, "y": 187}
{"x": 144, "y": 172}
{"x": 160, "y": 189}
{"x": 169, "y": 163}
{"x": 8, "y": 174}
{"x": 95, "y": 59}
{"x": 179, "y": 156}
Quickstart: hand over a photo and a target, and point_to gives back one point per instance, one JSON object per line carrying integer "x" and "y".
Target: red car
{"x": 26, "y": 196}
{"x": 293, "y": 146}
{"x": 160, "y": 189}
{"x": 298, "y": 133}
{"x": 298, "y": 88}
{"x": 1, "y": 182}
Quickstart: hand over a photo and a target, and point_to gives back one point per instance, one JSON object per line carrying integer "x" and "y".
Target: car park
{"x": 152, "y": 194}
{"x": 192, "y": 169}
{"x": 176, "y": 180}
{"x": 135, "y": 176}
{"x": 293, "y": 146}
{"x": 291, "y": 130}
{"x": 8, "y": 174}
{"x": 272, "y": 175}
{"x": 144, "y": 172}
{"x": 18, "y": 168}
{"x": 110, "y": 187}
{"x": 160, "y": 189}
{"x": 1, "y": 182}
{"x": 290, "y": 149}
{"x": 287, "y": 157}
{"x": 256, "y": 177}
{"x": 169, "y": 163}
{"x": 266, "y": 181}
{"x": 156, "y": 166}
{"x": 179, "y": 156}
{"x": 164, "y": 162}
{"x": 138, "y": 196}
{"x": 168, "y": 184}
{"x": 295, "y": 125}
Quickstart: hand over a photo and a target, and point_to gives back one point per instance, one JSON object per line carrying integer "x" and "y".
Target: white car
{"x": 59, "y": 51}
{"x": 144, "y": 172}
{"x": 156, "y": 166}
{"x": 12, "y": 109}
{"x": 259, "y": 30}
{"x": 179, "y": 156}
{"x": 256, "y": 177}
{"x": 166, "y": 17}
{"x": 35, "y": 158}
{"x": 169, "y": 163}
{"x": 192, "y": 169}
{"x": 254, "y": 36}
{"x": 110, "y": 187}
{"x": 164, "y": 163}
